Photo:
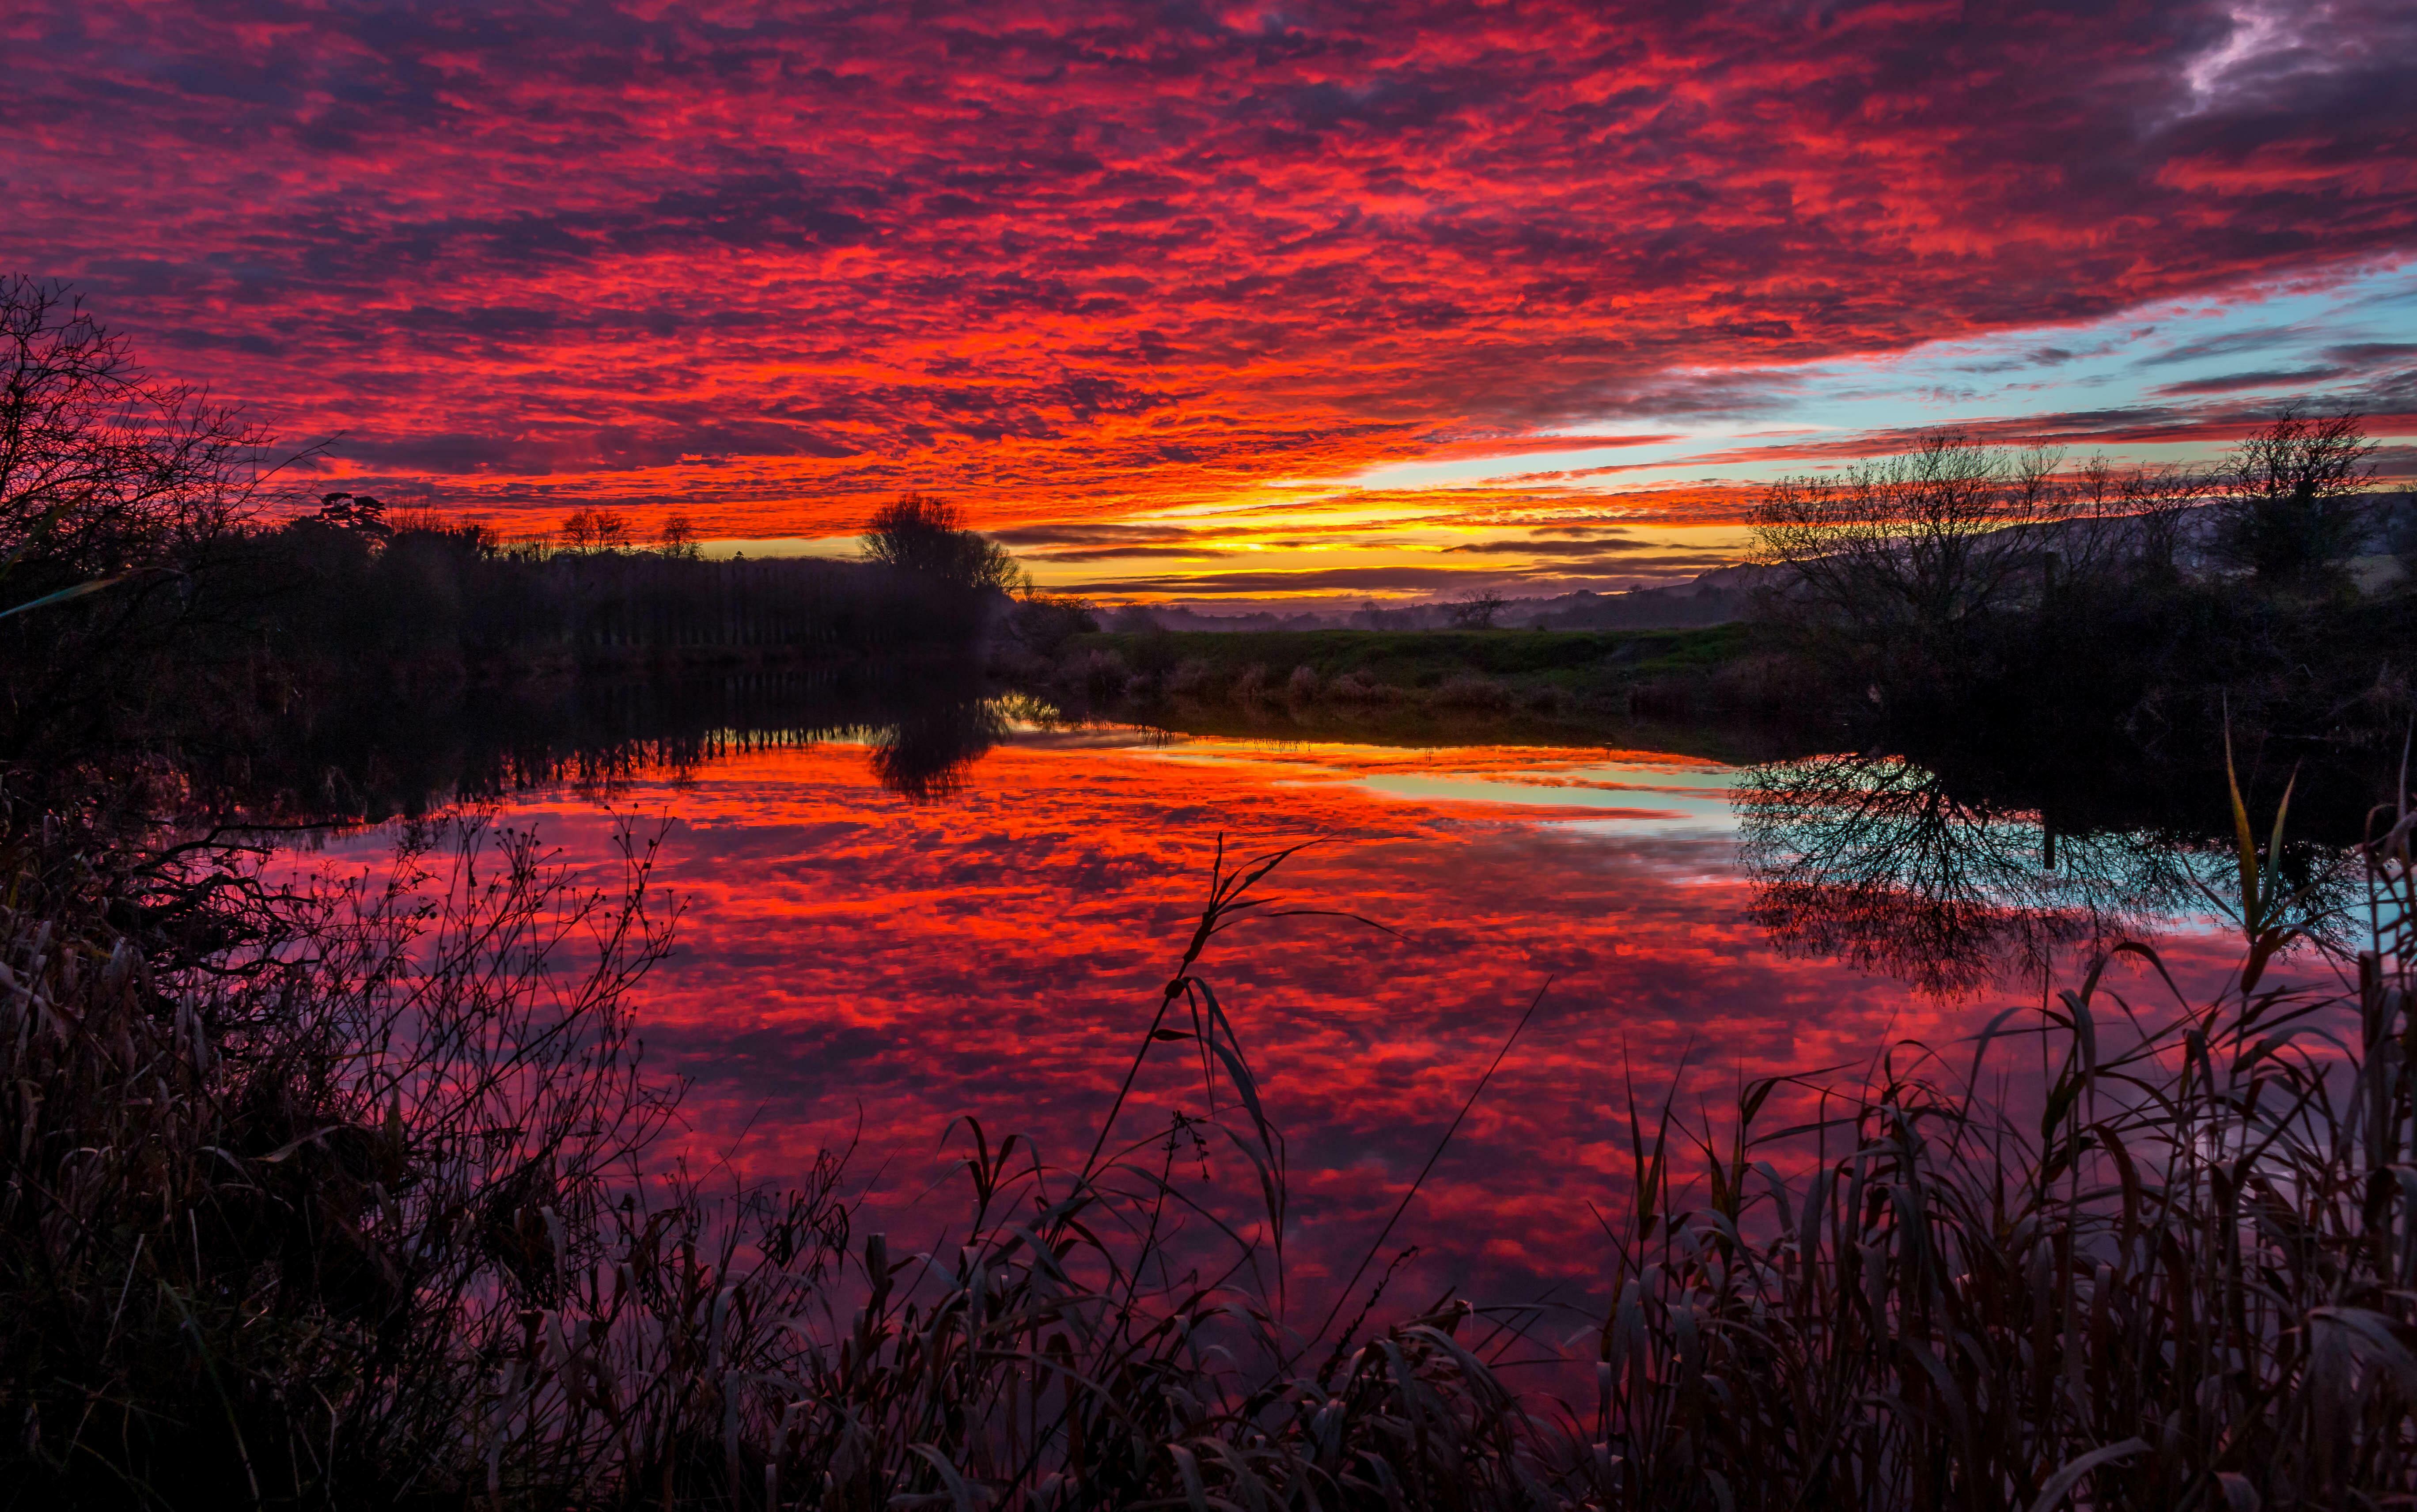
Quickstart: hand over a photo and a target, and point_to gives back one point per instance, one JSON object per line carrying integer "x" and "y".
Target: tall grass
{"x": 2181, "y": 1277}
{"x": 270, "y": 1209}
{"x": 360, "y": 1214}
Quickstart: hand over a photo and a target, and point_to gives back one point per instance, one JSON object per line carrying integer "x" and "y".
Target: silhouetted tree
{"x": 1903, "y": 568}
{"x": 105, "y": 470}
{"x": 926, "y": 538}
{"x": 1478, "y": 611}
{"x": 357, "y": 513}
{"x": 677, "y": 538}
{"x": 117, "y": 491}
{"x": 2291, "y": 508}
{"x": 594, "y": 530}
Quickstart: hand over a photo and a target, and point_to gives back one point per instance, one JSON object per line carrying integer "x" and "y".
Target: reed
{"x": 271, "y": 1205}
{"x": 2180, "y": 1276}
{"x": 363, "y": 1214}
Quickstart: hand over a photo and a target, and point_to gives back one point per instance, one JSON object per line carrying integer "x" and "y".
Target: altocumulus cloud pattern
{"x": 1080, "y": 260}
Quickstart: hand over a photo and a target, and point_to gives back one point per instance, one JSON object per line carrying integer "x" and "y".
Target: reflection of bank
{"x": 420, "y": 748}
{"x": 1885, "y": 865}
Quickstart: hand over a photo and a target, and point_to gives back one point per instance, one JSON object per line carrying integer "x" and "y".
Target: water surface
{"x": 864, "y": 958}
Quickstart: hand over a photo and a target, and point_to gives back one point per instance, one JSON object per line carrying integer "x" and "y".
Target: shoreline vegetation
{"x": 356, "y": 1211}
{"x": 349, "y": 1192}
{"x": 1576, "y": 677}
{"x": 1986, "y": 611}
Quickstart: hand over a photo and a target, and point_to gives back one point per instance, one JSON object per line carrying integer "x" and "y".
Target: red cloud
{"x": 764, "y": 262}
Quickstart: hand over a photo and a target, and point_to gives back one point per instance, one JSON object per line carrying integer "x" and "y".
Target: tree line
{"x": 1990, "y": 588}
{"x": 165, "y": 603}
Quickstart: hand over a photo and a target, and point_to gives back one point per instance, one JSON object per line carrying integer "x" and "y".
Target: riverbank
{"x": 1557, "y": 674}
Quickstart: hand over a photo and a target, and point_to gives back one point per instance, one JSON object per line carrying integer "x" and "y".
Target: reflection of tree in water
{"x": 1875, "y": 860}
{"x": 926, "y": 754}
{"x": 417, "y": 751}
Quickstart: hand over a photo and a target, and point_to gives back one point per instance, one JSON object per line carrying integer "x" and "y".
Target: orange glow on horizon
{"x": 765, "y": 265}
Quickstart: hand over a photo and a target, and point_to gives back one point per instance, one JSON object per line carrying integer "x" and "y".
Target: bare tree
{"x": 677, "y": 538}
{"x": 106, "y": 471}
{"x": 1478, "y": 611}
{"x": 1913, "y": 543}
{"x": 2293, "y": 507}
{"x": 121, "y": 498}
{"x": 2132, "y": 517}
{"x": 1903, "y": 559}
{"x": 595, "y": 529}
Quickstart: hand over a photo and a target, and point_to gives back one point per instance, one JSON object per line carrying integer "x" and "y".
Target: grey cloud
{"x": 1551, "y": 548}
{"x": 2237, "y": 382}
{"x": 2232, "y": 343}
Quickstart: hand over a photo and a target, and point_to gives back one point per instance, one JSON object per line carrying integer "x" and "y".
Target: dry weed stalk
{"x": 364, "y": 1219}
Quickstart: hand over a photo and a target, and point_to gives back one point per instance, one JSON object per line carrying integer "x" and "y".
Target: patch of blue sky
{"x": 1645, "y": 798}
{"x": 2315, "y": 339}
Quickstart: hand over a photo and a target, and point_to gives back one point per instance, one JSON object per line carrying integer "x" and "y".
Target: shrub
{"x": 1356, "y": 688}
{"x": 1044, "y": 623}
{"x": 1191, "y": 677}
{"x": 270, "y": 1215}
{"x": 1467, "y": 689}
{"x": 1098, "y": 672}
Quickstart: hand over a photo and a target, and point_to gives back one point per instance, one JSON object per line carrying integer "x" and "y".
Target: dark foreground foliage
{"x": 346, "y": 1201}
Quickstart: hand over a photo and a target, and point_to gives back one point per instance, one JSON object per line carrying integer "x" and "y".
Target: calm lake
{"x": 880, "y": 938}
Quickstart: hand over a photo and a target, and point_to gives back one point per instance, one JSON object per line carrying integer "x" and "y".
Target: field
{"x": 1412, "y": 686}
{"x": 1577, "y": 661}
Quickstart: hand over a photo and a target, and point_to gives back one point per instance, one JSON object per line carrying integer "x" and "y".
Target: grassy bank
{"x": 1547, "y": 675}
{"x": 1422, "y": 661}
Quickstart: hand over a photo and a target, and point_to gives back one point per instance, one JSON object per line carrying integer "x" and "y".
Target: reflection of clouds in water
{"x": 1605, "y": 792}
{"x": 847, "y": 950}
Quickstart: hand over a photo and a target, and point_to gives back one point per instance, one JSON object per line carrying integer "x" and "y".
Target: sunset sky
{"x": 1225, "y": 302}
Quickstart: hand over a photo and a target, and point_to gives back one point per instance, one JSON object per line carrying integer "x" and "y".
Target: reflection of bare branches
{"x": 1874, "y": 860}
{"x": 1945, "y": 947}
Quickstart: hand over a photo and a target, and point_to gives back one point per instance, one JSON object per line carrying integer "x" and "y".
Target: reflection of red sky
{"x": 848, "y": 953}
